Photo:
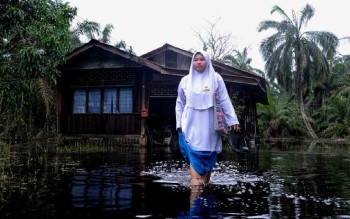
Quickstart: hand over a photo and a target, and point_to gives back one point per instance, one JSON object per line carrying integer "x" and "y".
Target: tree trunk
{"x": 305, "y": 119}
{"x": 300, "y": 64}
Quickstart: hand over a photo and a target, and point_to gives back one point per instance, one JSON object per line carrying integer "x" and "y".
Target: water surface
{"x": 278, "y": 181}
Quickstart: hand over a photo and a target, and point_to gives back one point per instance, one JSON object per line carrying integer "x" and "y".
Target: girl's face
{"x": 199, "y": 63}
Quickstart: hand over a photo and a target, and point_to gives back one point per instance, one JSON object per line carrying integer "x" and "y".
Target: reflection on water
{"x": 234, "y": 189}
{"x": 279, "y": 181}
{"x": 104, "y": 189}
{"x": 203, "y": 204}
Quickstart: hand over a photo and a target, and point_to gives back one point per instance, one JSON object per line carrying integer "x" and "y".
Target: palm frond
{"x": 89, "y": 28}
{"x": 276, "y": 8}
{"x": 47, "y": 94}
{"x": 106, "y": 33}
{"x": 305, "y": 15}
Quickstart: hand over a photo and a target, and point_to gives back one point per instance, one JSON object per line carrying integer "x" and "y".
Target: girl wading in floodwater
{"x": 199, "y": 142}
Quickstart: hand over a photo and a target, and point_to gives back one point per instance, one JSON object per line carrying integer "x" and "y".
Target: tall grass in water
{"x": 5, "y": 169}
{"x": 97, "y": 147}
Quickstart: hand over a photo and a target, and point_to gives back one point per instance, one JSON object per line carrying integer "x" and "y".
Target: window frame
{"x": 102, "y": 100}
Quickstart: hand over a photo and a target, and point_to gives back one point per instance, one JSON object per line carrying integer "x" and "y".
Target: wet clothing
{"x": 202, "y": 161}
{"x": 195, "y": 115}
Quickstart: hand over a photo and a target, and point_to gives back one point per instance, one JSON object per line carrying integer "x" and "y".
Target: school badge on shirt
{"x": 206, "y": 89}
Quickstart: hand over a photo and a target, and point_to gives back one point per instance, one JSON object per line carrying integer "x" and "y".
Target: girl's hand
{"x": 234, "y": 127}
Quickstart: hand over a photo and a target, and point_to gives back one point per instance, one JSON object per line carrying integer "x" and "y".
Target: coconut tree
{"x": 297, "y": 59}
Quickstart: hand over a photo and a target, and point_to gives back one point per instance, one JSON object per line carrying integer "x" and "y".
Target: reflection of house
{"x": 106, "y": 92}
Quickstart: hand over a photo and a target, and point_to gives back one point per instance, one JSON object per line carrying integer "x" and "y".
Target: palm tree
{"x": 91, "y": 30}
{"x": 295, "y": 59}
{"x": 334, "y": 117}
{"x": 279, "y": 117}
{"x": 239, "y": 60}
{"x": 123, "y": 46}
{"x": 242, "y": 61}
{"x": 106, "y": 33}
{"x": 341, "y": 72}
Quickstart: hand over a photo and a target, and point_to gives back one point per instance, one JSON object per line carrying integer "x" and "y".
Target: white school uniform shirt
{"x": 196, "y": 119}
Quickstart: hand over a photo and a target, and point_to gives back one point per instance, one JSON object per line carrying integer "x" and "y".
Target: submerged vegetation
{"x": 23, "y": 172}
{"x": 96, "y": 147}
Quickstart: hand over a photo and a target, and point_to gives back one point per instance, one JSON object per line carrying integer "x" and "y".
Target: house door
{"x": 162, "y": 113}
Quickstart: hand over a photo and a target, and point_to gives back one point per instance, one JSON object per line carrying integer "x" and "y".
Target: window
{"x": 107, "y": 100}
{"x": 94, "y": 102}
{"x": 79, "y": 101}
{"x": 110, "y": 100}
{"x": 125, "y": 100}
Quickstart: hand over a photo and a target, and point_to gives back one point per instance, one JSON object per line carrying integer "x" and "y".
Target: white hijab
{"x": 200, "y": 87}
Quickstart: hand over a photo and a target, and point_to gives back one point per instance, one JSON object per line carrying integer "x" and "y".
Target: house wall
{"x": 100, "y": 123}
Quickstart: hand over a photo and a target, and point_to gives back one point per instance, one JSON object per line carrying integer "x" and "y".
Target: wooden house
{"x": 105, "y": 92}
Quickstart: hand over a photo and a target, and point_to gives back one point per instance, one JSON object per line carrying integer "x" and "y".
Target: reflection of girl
{"x": 202, "y": 205}
{"x": 199, "y": 142}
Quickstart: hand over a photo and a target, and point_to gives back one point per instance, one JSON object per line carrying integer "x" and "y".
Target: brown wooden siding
{"x": 164, "y": 91}
{"x": 122, "y": 124}
{"x": 100, "y": 124}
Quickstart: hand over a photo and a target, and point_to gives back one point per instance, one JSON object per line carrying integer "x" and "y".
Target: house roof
{"x": 112, "y": 49}
{"x": 229, "y": 73}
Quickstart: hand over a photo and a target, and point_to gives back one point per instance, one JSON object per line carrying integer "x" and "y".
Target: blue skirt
{"x": 202, "y": 161}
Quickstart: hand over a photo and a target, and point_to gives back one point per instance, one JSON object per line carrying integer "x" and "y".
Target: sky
{"x": 147, "y": 25}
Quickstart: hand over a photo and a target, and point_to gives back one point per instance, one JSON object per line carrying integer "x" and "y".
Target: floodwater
{"x": 276, "y": 181}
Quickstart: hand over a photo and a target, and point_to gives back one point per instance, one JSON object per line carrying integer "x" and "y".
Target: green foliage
{"x": 280, "y": 118}
{"x": 34, "y": 38}
{"x": 333, "y": 117}
{"x": 297, "y": 59}
{"x": 336, "y": 83}
{"x": 238, "y": 105}
{"x": 341, "y": 76}
{"x": 238, "y": 60}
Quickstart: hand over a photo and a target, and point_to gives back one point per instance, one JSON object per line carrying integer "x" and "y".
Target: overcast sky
{"x": 147, "y": 25}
